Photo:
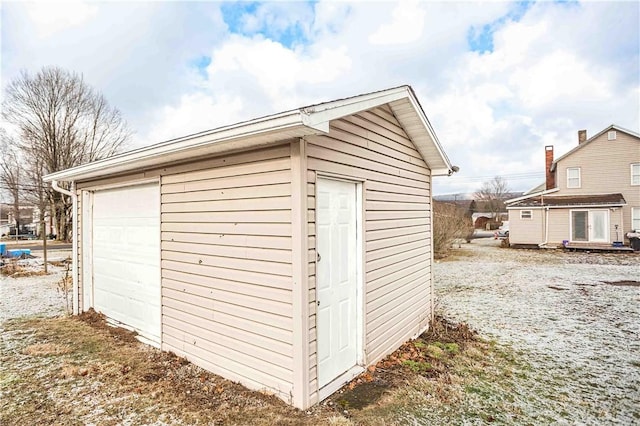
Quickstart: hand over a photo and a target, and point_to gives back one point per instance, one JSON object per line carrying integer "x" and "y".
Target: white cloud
{"x": 407, "y": 23}
{"x": 554, "y": 69}
{"x": 52, "y": 17}
{"x": 281, "y": 73}
{"x": 275, "y": 18}
{"x": 195, "y": 112}
{"x": 560, "y": 77}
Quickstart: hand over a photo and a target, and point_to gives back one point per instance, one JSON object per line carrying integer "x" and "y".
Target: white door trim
{"x": 336, "y": 383}
{"x": 87, "y": 250}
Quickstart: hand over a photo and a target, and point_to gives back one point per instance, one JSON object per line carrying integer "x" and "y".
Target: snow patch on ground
{"x": 32, "y": 296}
{"x": 580, "y": 335}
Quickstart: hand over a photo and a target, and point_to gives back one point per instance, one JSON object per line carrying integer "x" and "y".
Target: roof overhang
{"x": 311, "y": 120}
{"x": 532, "y": 195}
{"x": 567, "y": 206}
{"x": 571, "y": 202}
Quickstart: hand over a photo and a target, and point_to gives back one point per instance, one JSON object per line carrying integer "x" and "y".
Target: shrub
{"x": 450, "y": 222}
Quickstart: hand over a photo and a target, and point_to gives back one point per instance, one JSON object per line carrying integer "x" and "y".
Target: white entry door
{"x": 599, "y": 226}
{"x": 126, "y": 257}
{"x": 337, "y": 283}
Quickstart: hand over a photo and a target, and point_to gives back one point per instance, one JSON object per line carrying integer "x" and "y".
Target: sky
{"x": 498, "y": 80}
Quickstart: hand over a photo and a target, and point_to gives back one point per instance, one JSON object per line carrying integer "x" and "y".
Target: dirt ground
{"x": 79, "y": 370}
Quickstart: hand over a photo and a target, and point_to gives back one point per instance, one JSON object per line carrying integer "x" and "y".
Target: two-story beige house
{"x": 591, "y": 195}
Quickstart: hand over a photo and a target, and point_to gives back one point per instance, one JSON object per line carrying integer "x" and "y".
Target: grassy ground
{"x": 78, "y": 370}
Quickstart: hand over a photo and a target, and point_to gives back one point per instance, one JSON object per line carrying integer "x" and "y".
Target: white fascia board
{"x": 535, "y": 194}
{"x": 324, "y": 113}
{"x": 159, "y": 153}
{"x": 587, "y": 206}
{"x": 432, "y": 135}
{"x": 526, "y": 207}
{"x": 441, "y": 172}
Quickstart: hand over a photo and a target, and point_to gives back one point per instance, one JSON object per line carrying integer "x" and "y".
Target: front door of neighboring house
{"x": 337, "y": 287}
{"x": 590, "y": 226}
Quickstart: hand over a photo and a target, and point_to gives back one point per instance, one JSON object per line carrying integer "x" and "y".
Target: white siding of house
{"x": 372, "y": 147}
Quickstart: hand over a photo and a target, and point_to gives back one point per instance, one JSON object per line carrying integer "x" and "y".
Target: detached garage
{"x": 287, "y": 253}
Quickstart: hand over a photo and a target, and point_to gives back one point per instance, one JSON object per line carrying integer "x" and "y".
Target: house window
{"x": 635, "y": 174}
{"x": 526, "y": 214}
{"x": 611, "y": 135}
{"x": 635, "y": 218}
{"x": 573, "y": 177}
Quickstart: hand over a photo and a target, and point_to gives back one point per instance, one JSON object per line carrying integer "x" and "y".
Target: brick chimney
{"x": 548, "y": 160}
{"x": 582, "y": 136}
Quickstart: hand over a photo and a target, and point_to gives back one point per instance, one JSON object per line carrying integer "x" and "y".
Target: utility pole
{"x": 43, "y": 223}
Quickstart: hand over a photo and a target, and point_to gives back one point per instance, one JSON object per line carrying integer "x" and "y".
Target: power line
{"x": 516, "y": 176}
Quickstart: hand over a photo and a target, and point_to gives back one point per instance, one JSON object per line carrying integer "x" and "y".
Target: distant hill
{"x": 453, "y": 197}
{"x": 466, "y": 197}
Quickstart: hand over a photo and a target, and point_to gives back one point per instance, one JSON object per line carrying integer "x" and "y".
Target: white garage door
{"x": 126, "y": 257}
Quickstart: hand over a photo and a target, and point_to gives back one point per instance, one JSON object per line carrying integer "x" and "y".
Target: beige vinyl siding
{"x": 226, "y": 267}
{"x": 533, "y": 231}
{"x": 527, "y": 231}
{"x": 559, "y": 228}
{"x": 372, "y": 147}
{"x": 226, "y": 263}
{"x": 616, "y": 217}
{"x": 605, "y": 167}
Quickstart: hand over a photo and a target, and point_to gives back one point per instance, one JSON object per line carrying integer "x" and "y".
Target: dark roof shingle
{"x": 572, "y": 200}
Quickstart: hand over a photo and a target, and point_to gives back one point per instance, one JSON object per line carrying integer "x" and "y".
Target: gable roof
{"x": 591, "y": 139}
{"x": 296, "y": 123}
{"x": 552, "y": 201}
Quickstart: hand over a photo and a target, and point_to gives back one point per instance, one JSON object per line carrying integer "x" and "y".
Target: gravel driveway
{"x": 566, "y": 314}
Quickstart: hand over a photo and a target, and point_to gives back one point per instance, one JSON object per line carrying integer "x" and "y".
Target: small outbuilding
{"x": 286, "y": 253}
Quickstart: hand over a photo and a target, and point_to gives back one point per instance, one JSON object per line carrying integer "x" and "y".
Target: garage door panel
{"x": 126, "y": 257}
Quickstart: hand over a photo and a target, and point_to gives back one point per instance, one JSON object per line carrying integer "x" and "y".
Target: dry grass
{"x": 46, "y": 349}
{"x": 13, "y": 270}
{"x": 79, "y": 370}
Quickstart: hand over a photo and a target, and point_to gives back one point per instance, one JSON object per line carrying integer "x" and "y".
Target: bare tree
{"x": 10, "y": 176}
{"x": 493, "y": 194}
{"x": 36, "y": 196}
{"x": 62, "y": 123}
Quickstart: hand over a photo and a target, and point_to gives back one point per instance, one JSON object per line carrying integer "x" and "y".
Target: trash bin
{"x": 634, "y": 240}
{"x": 3, "y": 249}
